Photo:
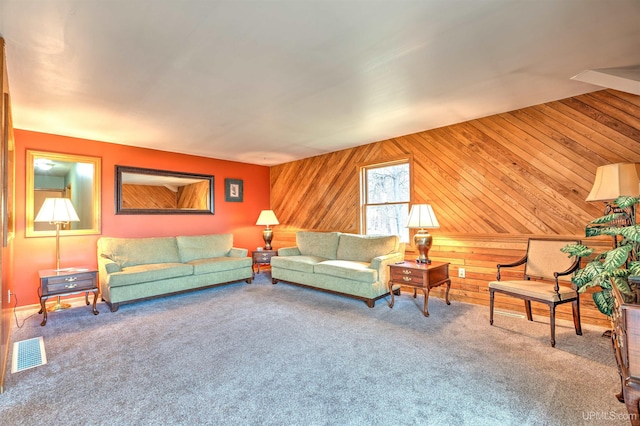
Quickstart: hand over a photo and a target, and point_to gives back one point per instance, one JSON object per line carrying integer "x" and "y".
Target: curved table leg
{"x": 391, "y": 293}
{"x": 425, "y": 310}
{"x": 446, "y": 295}
{"x": 43, "y": 310}
{"x": 95, "y": 298}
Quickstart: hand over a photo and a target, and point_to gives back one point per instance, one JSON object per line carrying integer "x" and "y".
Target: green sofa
{"x": 347, "y": 264}
{"x": 133, "y": 269}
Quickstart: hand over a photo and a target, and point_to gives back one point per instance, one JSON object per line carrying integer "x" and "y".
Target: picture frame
{"x": 233, "y": 190}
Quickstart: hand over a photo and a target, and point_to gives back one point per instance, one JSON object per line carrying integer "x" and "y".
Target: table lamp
{"x": 421, "y": 217}
{"x": 267, "y": 218}
{"x": 613, "y": 181}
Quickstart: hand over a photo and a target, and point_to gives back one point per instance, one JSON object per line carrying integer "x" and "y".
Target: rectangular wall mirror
{"x": 150, "y": 191}
{"x": 55, "y": 175}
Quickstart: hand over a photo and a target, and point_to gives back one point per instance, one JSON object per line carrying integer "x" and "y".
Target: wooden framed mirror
{"x": 150, "y": 191}
{"x": 56, "y": 175}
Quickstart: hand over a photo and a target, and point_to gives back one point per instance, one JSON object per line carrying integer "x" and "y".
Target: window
{"x": 385, "y": 198}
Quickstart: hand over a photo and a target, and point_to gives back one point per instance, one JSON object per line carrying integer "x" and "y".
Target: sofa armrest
{"x": 381, "y": 263}
{"x": 289, "y": 251}
{"x": 238, "y": 252}
{"x": 108, "y": 266}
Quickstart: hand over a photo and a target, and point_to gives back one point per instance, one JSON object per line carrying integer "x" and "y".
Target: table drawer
{"x": 263, "y": 257}
{"x": 76, "y": 282}
{"x": 407, "y": 276}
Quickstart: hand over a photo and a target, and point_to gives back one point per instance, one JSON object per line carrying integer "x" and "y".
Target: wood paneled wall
{"x": 493, "y": 182}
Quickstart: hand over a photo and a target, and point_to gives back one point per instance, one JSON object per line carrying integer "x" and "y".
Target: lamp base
{"x": 423, "y": 241}
{"x": 267, "y": 236}
{"x": 58, "y": 306}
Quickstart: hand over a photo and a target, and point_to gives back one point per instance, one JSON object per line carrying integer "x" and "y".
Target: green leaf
{"x": 616, "y": 258}
{"x": 625, "y": 289}
{"x": 631, "y": 233}
{"x": 634, "y": 268}
{"x": 606, "y": 218}
{"x": 601, "y": 280}
{"x": 620, "y": 273}
{"x": 596, "y": 231}
{"x": 625, "y": 201}
{"x": 604, "y": 301}
{"x": 577, "y": 250}
{"x": 582, "y": 277}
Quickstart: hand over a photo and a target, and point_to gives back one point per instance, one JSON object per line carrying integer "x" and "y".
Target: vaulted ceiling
{"x": 267, "y": 82}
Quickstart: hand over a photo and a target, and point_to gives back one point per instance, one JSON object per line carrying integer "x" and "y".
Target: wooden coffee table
{"x": 423, "y": 276}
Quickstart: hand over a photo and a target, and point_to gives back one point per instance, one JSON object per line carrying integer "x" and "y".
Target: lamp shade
{"x": 57, "y": 210}
{"x": 422, "y": 216}
{"x": 267, "y": 218}
{"x": 615, "y": 180}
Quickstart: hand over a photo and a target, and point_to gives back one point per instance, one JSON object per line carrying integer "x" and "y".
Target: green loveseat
{"x": 132, "y": 269}
{"x": 352, "y": 265}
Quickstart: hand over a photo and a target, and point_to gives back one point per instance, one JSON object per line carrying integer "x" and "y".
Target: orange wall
{"x": 33, "y": 254}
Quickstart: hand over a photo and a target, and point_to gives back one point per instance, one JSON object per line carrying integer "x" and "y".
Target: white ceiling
{"x": 266, "y": 82}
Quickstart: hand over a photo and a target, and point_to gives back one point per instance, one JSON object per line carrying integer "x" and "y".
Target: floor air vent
{"x": 28, "y": 354}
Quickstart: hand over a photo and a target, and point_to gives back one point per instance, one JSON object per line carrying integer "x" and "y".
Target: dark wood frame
{"x": 227, "y": 190}
{"x": 119, "y": 170}
{"x": 575, "y": 301}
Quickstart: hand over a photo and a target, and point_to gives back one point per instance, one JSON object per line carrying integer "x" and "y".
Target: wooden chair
{"x": 544, "y": 262}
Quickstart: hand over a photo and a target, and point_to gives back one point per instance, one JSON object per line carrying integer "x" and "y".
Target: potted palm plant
{"x": 614, "y": 266}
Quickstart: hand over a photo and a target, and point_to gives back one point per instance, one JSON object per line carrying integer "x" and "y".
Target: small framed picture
{"x": 233, "y": 191}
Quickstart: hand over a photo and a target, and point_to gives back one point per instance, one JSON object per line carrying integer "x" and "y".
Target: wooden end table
{"x": 423, "y": 276}
{"x": 67, "y": 281}
{"x": 262, "y": 257}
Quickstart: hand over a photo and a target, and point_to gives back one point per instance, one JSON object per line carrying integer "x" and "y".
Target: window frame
{"x": 362, "y": 173}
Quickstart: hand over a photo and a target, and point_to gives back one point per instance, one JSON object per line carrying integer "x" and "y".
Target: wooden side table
{"x": 67, "y": 281}
{"x": 262, "y": 257}
{"x": 423, "y": 276}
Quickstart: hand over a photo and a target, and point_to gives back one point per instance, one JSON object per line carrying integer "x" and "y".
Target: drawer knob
{"x": 406, "y": 271}
{"x": 71, "y": 279}
{"x": 74, "y": 285}
{"x": 406, "y": 278}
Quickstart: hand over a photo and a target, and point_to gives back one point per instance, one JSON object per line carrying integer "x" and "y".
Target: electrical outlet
{"x": 462, "y": 273}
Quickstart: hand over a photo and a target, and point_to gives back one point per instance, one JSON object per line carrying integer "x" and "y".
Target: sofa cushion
{"x": 219, "y": 264}
{"x": 320, "y": 244}
{"x": 357, "y": 271}
{"x": 204, "y": 246}
{"x": 296, "y": 263}
{"x": 139, "y": 251}
{"x": 149, "y": 272}
{"x": 363, "y": 248}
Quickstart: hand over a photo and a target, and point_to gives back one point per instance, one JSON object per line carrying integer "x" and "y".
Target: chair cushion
{"x": 534, "y": 289}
